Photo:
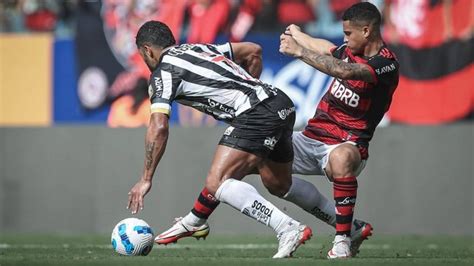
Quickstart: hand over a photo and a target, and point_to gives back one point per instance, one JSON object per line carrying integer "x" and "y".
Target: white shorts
{"x": 311, "y": 156}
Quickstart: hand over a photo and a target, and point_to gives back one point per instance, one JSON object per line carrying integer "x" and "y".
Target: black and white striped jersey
{"x": 203, "y": 76}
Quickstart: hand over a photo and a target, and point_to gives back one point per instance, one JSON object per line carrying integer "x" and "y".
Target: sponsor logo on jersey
{"x": 221, "y": 107}
{"x": 344, "y": 94}
{"x": 385, "y": 69}
{"x": 228, "y": 131}
{"x": 158, "y": 86}
{"x": 283, "y": 114}
{"x": 270, "y": 142}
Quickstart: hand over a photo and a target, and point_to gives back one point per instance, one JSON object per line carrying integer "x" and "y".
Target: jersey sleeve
{"x": 161, "y": 91}
{"x": 383, "y": 68}
{"x": 226, "y": 50}
{"x": 338, "y": 51}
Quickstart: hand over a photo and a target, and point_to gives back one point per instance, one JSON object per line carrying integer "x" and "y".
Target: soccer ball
{"x": 132, "y": 237}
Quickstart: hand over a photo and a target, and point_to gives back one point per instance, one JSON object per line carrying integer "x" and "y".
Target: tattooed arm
{"x": 336, "y": 67}
{"x": 155, "y": 144}
{"x": 316, "y": 52}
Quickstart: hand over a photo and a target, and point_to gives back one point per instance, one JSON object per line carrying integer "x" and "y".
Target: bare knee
{"x": 276, "y": 187}
{"x": 344, "y": 161}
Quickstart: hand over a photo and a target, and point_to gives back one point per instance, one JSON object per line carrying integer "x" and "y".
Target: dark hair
{"x": 364, "y": 12}
{"x": 155, "y": 33}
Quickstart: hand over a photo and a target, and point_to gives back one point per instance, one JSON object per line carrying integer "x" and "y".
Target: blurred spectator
{"x": 132, "y": 109}
{"x": 207, "y": 19}
{"x": 40, "y": 15}
{"x": 295, "y": 12}
{"x": 11, "y": 16}
{"x": 327, "y": 24}
{"x": 248, "y": 10}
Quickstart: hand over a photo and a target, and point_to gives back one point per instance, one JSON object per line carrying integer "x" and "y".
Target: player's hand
{"x": 136, "y": 195}
{"x": 292, "y": 29}
{"x": 288, "y": 46}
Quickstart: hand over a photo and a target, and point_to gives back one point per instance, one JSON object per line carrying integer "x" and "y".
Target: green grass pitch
{"x": 234, "y": 250}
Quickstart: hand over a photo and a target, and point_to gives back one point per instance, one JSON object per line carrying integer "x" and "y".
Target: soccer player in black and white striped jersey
{"x": 221, "y": 80}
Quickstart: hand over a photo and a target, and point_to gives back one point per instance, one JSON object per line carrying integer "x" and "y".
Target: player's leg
{"x": 227, "y": 163}
{"x": 308, "y": 155}
{"x": 276, "y": 176}
{"x": 311, "y": 158}
{"x": 343, "y": 163}
{"x": 228, "y": 167}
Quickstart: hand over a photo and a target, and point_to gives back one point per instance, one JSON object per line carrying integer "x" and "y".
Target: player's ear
{"x": 147, "y": 50}
{"x": 366, "y": 30}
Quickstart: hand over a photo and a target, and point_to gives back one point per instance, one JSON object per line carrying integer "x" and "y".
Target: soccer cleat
{"x": 179, "y": 230}
{"x": 291, "y": 239}
{"x": 341, "y": 248}
{"x": 362, "y": 231}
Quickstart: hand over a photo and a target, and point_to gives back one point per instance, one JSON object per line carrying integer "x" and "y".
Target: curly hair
{"x": 155, "y": 33}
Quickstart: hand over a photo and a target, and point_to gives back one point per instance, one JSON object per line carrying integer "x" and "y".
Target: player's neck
{"x": 373, "y": 47}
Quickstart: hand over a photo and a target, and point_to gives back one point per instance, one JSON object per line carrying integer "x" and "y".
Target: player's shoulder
{"x": 384, "y": 61}
{"x": 385, "y": 52}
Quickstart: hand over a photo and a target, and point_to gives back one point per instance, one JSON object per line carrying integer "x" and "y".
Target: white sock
{"x": 193, "y": 220}
{"x": 307, "y": 196}
{"x": 245, "y": 198}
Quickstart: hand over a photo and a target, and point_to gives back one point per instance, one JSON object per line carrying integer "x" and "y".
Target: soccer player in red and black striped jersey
{"x": 335, "y": 141}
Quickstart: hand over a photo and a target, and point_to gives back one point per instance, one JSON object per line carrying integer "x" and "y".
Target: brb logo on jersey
{"x": 344, "y": 94}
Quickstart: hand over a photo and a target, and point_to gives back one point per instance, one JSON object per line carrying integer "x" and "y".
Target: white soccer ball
{"x": 132, "y": 237}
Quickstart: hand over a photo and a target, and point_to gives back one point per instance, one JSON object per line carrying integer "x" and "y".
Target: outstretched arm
{"x": 249, "y": 56}
{"x": 336, "y": 67}
{"x": 155, "y": 144}
{"x": 316, "y": 52}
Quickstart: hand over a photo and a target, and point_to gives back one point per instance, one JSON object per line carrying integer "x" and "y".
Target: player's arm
{"x": 155, "y": 144}
{"x": 317, "y": 53}
{"x": 336, "y": 67}
{"x": 249, "y": 56}
{"x": 321, "y": 46}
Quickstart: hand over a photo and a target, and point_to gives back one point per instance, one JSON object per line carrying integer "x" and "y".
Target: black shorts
{"x": 264, "y": 130}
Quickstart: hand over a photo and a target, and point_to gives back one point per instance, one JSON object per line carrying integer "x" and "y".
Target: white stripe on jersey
{"x": 167, "y": 84}
{"x": 240, "y": 72}
{"x": 202, "y": 71}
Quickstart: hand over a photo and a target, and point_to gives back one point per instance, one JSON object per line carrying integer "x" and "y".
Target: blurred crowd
{"x": 191, "y": 20}
{"x": 408, "y": 24}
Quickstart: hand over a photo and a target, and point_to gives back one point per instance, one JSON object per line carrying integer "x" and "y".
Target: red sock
{"x": 345, "y": 194}
{"x": 205, "y": 204}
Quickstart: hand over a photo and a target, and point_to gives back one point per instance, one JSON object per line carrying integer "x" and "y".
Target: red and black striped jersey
{"x": 351, "y": 109}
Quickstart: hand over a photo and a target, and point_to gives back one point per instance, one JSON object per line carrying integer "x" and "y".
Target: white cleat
{"x": 179, "y": 230}
{"x": 362, "y": 231}
{"x": 341, "y": 248}
{"x": 291, "y": 239}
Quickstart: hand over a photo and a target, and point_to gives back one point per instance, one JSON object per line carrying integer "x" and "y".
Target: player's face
{"x": 355, "y": 36}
